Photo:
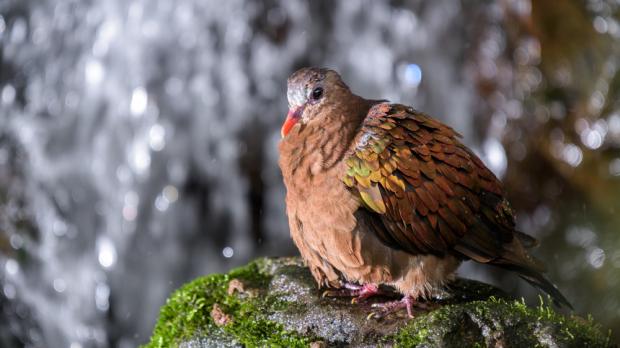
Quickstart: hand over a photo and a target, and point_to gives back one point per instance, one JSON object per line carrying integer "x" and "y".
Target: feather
{"x": 372, "y": 198}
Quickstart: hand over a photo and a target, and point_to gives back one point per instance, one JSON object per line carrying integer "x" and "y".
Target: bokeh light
{"x": 138, "y": 140}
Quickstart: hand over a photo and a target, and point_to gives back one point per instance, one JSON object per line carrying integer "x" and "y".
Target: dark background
{"x": 138, "y": 140}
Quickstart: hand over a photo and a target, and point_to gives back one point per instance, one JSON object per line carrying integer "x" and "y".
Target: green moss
{"x": 187, "y": 313}
{"x": 513, "y": 321}
{"x": 476, "y": 316}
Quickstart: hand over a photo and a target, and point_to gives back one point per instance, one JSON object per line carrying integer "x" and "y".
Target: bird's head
{"x": 309, "y": 89}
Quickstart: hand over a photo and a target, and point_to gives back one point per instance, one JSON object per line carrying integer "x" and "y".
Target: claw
{"x": 337, "y": 293}
{"x": 358, "y": 292}
{"x": 387, "y": 308}
{"x": 332, "y": 293}
{"x": 359, "y": 298}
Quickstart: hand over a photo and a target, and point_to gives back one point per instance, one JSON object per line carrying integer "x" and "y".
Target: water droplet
{"x": 228, "y": 252}
{"x": 592, "y": 139}
{"x": 19, "y": 30}
{"x": 8, "y": 94}
{"x": 141, "y": 158}
{"x": 106, "y": 252}
{"x": 495, "y": 156}
{"x": 596, "y": 257}
{"x": 171, "y": 193}
{"x": 139, "y": 101}
{"x": 157, "y": 137}
{"x": 9, "y": 291}
{"x": 161, "y": 203}
{"x": 572, "y": 155}
{"x": 16, "y": 241}
{"x": 597, "y": 100}
{"x": 412, "y": 75}
{"x": 105, "y": 35}
{"x": 59, "y": 228}
{"x": 102, "y": 296}
{"x": 600, "y": 24}
{"x": 59, "y": 285}
{"x": 94, "y": 72}
{"x": 11, "y": 266}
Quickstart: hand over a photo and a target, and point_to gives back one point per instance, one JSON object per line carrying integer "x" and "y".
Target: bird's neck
{"x": 338, "y": 131}
{"x": 321, "y": 146}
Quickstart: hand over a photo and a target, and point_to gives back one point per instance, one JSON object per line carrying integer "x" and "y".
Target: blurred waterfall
{"x": 138, "y": 138}
{"x": 148, "y": 130}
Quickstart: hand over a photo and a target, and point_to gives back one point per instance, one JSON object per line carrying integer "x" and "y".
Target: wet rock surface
{"x": 275, "y": 302}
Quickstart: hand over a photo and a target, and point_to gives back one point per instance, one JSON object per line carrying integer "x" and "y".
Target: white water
{"x": 144, "y": 128}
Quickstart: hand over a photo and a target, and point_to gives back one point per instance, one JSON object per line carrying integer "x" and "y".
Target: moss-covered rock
{"x": 275, "y": 302}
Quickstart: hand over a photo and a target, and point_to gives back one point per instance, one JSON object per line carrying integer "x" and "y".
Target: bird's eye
{"x": 317, "y": 93}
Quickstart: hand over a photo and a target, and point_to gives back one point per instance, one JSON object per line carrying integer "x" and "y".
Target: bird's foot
{"x": 358, "y": 292}
{"x": 407, "y": 302}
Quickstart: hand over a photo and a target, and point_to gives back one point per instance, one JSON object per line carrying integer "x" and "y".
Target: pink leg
{"x": 407, "y": 302}
{"x": 367, "y": 291}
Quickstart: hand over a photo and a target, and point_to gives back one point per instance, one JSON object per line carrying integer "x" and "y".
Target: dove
{"x": 380, "y": 194}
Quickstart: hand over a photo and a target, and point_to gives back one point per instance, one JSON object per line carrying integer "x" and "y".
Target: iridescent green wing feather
{"x": 429, "y": 193}
{"x": 425, "y": 192}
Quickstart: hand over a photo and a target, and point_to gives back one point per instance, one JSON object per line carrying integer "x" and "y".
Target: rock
{"x": 275, "y": 302}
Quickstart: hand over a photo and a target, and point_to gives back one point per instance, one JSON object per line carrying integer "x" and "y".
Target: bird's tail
{"x": 536, "y": 279}
{"x": 531, "y": 270}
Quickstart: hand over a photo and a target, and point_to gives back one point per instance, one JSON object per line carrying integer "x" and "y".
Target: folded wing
{"x": 426, "y": 193}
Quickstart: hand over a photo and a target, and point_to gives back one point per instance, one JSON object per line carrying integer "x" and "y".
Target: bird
{"x": 379, "y": 194}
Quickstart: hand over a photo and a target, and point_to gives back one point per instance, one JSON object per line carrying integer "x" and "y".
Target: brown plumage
{"x": 379, "y": 193}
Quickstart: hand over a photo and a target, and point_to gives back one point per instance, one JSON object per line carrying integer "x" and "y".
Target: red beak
{"x": 293, "y": 116}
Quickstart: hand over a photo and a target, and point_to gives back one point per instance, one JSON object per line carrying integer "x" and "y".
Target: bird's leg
{"x": 407, "y": 302}
{"x": 367, "y": 291}
{"x": 358, "y": 292}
